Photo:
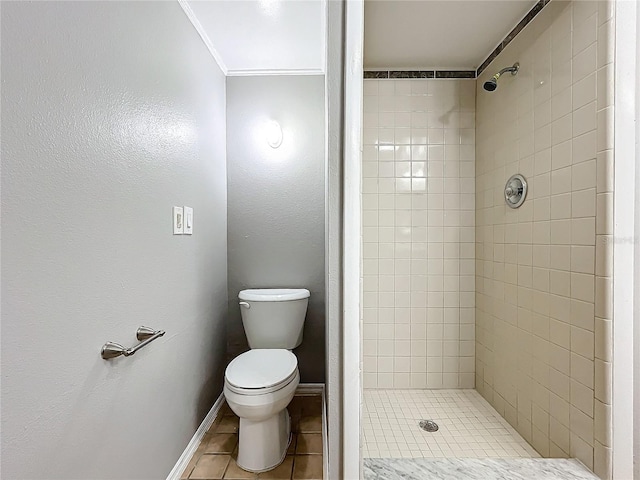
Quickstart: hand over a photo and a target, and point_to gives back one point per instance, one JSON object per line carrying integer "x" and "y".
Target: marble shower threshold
{"x": 476, "y": 469}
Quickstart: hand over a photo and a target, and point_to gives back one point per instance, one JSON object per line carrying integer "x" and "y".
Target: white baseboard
{"x": 195, "y": 440}
{"x": 325, "y": 436}
{"x": 318, "y": 389}
{"x": 310, "y": 389}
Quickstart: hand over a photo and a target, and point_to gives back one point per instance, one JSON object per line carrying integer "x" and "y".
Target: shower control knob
{"x": 515, "y": 191}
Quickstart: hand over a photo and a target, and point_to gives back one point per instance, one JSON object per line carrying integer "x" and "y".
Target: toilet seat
{"x": 261, "y": 371}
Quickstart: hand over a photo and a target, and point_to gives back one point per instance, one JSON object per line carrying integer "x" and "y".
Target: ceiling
{"x": 252, "y": 37}
{"x": 436, "y": 34}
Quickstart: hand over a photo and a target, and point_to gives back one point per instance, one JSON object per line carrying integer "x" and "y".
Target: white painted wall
{"x": 352, "y": 288}
{"x": 625, "y": 246}
{"x": 636, "y": 332}
{"x": 111, "y": 114}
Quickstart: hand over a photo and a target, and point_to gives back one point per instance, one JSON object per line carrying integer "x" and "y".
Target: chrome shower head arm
{"x": 492, "y": 84}
{"x": 514, "y": 70}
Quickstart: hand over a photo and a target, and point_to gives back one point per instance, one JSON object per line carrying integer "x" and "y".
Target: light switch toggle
{"x": 188, "y": 220}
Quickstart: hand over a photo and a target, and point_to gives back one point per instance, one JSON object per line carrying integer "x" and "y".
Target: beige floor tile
{"x": 189, "y": 468}
{"x": 226, "y": 410}
{"x": 292, "y": 445}
{"x": 281, "y": 472}
{"x": 194, "y": 459}
{"x": 216, "y": 422}
{"x": 295, "y": 406}
{"x": 210, "y": 467}
{"x": 309, "y": 443}
{"x": 234, "y": 472}
{"x": 310, "y": 424}
{"x": 307, "y": 467}
{"x": 220, "y": 442}
{"x": 312, "y": 406}
{"x": 295, "y": 423}
{"x": 228, "y": 424}
{"x": 215, "y": 457}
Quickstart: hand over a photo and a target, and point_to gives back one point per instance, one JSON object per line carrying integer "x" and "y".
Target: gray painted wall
{"x": 276, "y": 205}
{"x": 111, "y": 114}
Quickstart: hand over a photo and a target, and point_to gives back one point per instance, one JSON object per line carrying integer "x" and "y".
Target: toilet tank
{"x": 274, "y": 318}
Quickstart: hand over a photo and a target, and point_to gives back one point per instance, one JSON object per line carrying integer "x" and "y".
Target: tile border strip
{"x": 420, "y": 74}
{"x": 537, "y": 8}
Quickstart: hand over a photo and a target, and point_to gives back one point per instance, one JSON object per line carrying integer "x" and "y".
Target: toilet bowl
{"x": 258, "y": 386}
{"x": 260, "y": 383}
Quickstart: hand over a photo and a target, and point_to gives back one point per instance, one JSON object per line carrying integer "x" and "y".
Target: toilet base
{"x": 263, "y": 444}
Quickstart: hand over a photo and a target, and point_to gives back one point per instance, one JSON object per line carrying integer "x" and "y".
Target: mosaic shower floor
{"x": 468, "y": 426}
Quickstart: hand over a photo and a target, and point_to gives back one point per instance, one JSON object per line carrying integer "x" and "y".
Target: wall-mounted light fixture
{"x": 273, "y": 133}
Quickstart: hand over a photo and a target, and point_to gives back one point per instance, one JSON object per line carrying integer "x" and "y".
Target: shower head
{"x": 491, "y": 85}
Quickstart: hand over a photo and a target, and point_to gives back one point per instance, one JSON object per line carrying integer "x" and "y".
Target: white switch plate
{"x": 188, "y": 221}
{"x": 178, "y": 220}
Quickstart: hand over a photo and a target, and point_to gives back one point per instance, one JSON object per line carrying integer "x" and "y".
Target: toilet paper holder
{"x": 145, "y": 336}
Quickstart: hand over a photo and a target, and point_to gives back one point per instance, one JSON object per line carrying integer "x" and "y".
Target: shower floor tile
{"x": 469, "y": 427}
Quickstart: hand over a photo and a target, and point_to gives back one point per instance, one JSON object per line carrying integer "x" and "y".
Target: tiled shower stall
{"x": 462, "y": 292}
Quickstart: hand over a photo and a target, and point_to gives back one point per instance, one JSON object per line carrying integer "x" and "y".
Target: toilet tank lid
{"x": 274, "y": 294}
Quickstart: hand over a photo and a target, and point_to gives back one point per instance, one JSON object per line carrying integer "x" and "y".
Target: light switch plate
{"x": 178, "y": 220}
{"x": 188, "y": 221}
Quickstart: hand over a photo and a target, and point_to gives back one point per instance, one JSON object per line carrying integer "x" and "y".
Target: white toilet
{"x": 260, "y": 383}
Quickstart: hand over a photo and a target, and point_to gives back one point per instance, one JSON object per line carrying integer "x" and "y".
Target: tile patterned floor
{"x": 469, "y": 426}
{"x": 215, "y": 458}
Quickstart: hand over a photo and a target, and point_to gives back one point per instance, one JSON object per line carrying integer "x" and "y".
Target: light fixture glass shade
{"x": 273, "y": 133}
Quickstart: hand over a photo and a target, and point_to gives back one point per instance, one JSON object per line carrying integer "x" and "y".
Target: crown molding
{"x": 203, "y": 35}
{"x": 258, "y": 72}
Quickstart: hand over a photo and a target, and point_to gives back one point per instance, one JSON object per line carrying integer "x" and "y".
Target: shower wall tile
{"x": 544, "y": 271}
{"x": 418, "y": 181}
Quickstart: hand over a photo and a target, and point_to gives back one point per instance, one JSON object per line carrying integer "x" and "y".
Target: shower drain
{"x": 428, "y": 425}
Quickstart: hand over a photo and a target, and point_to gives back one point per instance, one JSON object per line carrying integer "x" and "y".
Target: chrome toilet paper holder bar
{"x": 145, "y": 336}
